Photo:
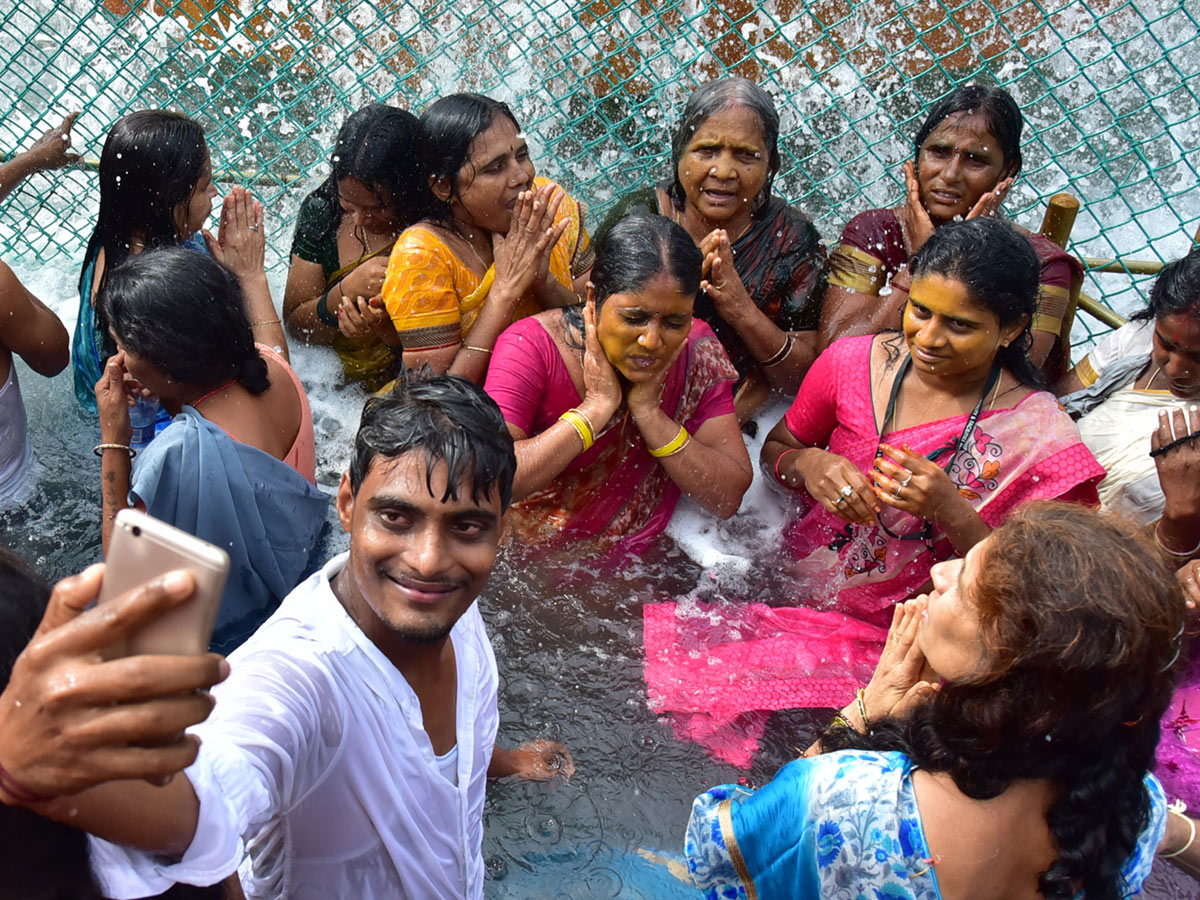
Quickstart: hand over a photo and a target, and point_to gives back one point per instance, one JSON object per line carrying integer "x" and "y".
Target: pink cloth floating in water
{"x": 721, "y": 669}
{"x": 1178, "y": 755}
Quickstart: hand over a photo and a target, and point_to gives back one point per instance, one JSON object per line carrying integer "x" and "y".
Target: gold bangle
{"x": 781, "y": 354}
{"x": 579, "y": 422}
{"x": 265, "y": 322}
{"x": 100, "y": 448}
{"x": 1191, "y": 826}
{"x": 862, "y": 707}
{"x": 476, "y": 349}
{"x": 673, "y": 446}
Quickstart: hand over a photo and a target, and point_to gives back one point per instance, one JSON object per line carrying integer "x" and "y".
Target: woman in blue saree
{"x": 1002, "y": 748}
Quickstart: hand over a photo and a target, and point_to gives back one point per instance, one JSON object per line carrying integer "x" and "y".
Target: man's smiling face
{"x": 417, "y": 561}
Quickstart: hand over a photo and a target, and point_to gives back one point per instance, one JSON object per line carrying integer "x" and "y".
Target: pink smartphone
{"x": 144, "y": 548}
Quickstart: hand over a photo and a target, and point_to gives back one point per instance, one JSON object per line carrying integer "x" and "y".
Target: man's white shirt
{"x": 316, "y": 777}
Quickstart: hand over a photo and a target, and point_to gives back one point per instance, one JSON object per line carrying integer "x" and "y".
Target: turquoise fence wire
{"x": 1109, "y": 90}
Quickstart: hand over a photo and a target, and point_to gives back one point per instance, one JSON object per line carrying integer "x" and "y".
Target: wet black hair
{"x": 999, "y": 111}
{"x": 450, "y": 420}
{"x": 38, "y": 857}
{"x": 375, "y": 145}
{"x": 151, "y": 162}
{"x": 183, "y": 313}
{"x": 447, "y": 129}
{"x": 630, "y": 254}
{"x": 1001, "y": 272}
{"x": 712, "y": 98}
{"x": 1176, "y": 289}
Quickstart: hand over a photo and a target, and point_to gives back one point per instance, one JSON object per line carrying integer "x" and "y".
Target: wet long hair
{"x": 1176, "y": 289}
{"x": 151, "y": 163}
{"x": 1001, "y": 272}
{"x": 711, "y": 98}
{"x": 183, "y": 312}
{"x": 375, "y": 145}
{"x": 628, "y": 256}
{"x": 999, "y": 111}
{"x": 1083, "y": 623}
{"x": 447, "y": 129}
{"x": 447, "y": 419}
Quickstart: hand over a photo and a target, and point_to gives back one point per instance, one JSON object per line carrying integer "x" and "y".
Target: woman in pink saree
{"x": 621, "y": 408}
{"x": 903, "y": 450}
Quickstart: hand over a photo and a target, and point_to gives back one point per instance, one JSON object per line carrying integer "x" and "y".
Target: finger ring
{"x": 839, "y": 500}
{"x": 896, "y": 492}
{"x": 719, "y": 286}
{"x": 252, "y": 227}
{"x": 905, "y": 482}
{"x": 847, "y": 492}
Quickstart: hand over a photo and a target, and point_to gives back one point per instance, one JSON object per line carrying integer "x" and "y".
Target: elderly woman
{"x": 900, "y": 450}
{"x": 1135, "y": 395}
{"x": 764, "y": 265}
{"x": 1023, "y": 775}
{"x": 620, "y": 408}
{"x": 967, "y": 153}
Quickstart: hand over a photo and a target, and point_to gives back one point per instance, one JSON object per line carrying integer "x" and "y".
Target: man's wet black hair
{"x": 450, "y": 420}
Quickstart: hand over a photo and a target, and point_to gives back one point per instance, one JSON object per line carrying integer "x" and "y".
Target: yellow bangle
{"x": 580, "y": 423}
{"x": 676, "y": 444}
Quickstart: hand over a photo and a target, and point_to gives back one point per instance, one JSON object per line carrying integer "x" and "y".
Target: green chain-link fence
{"x": 1109, "y": 90}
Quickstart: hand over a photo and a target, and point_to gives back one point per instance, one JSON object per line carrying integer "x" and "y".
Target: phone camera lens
{"x": 137, "y": 530}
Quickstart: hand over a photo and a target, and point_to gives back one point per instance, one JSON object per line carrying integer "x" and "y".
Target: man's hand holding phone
{"x": 70, "y": 719}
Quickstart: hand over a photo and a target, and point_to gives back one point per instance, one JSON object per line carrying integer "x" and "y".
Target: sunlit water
{"x": 567, "y": 638}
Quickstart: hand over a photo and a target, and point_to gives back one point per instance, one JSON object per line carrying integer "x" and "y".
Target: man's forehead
{"x": 413, "y": 478}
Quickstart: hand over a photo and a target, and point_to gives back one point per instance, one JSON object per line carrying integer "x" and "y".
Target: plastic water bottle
{"x": 141, "y": 416}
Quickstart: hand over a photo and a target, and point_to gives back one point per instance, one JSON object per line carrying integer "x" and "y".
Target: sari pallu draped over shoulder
{"x": 616, "y": 492}
{"x": 256, "y": 508}
{"x": 849, "y": 577}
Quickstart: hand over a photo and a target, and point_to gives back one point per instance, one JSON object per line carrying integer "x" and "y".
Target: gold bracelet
{"x": 579, "y": 422}
{"x": 862, "y": 707}
{"x": 673, "y": 446}
{"x": 265, "y": 322}
{"x": 781, "y": 354}
{"x": 476, "y": 349}
{"x": 1179, "y": 807}
{"x": 100, "y": 448}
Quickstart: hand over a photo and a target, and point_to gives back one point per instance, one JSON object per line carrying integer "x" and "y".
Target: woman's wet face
{"x": 371, "y": 207}
{"x": 949, "y": 333}
{"x": 959, "y": 162}
{"x": 191, "y": 214}
{"x": 725, "y": 165}
{"x": 1177, "y": 352}
{"x": 641, "y": 330}
{"x": 950, "y": 634}
{"x": 143, "y": 371}
{"x": 498, "y": 169}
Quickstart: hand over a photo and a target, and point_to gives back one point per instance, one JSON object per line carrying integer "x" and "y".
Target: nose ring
{"x": 642, "y": 339}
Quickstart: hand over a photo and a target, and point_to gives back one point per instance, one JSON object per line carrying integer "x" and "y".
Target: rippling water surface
{"x": 567, "y": 638}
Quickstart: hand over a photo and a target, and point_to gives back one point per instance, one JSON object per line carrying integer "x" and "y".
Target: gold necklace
{"x": 1152, "y": 377}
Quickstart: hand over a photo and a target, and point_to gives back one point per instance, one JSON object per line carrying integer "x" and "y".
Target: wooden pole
{"x": 1060, "y": 218}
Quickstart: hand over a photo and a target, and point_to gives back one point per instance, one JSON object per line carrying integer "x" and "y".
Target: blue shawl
{"x": 263, "y": 513}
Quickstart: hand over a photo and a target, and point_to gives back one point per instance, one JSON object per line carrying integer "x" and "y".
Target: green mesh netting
{"x": 1109, "y": 90}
